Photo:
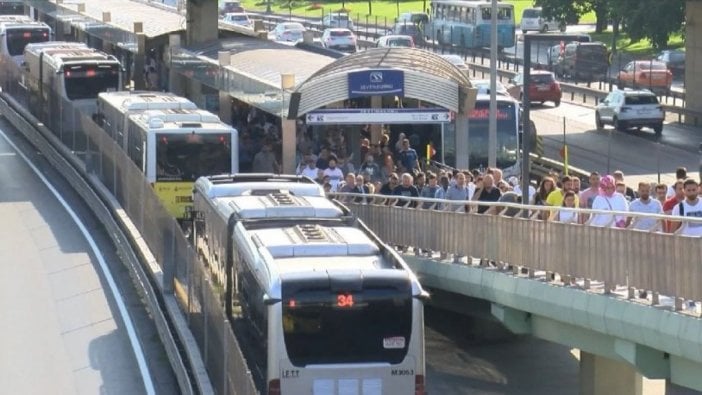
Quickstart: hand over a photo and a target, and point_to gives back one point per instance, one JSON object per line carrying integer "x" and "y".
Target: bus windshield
{"x": 370, "y": 326}
{"x": 17, "y": 39}
{"x": 507, "y": 134}
{"x": 86, "y": 81}
{"x": 185, "y": 157}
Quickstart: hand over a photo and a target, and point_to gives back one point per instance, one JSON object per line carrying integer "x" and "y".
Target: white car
{"x": 288, "y": 31}
{"x": 339, "y": 39}
{"x": 629, "y": 108}
{"x": 456, "y": 61}
{"x": 395, "y": 41}
{"x": 238, "y": 19}
{"x": 337, "y": 19}
{"x": 483, "y": 87}
{"x": 533, "y": 20}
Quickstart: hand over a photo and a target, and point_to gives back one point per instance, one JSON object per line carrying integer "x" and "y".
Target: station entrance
{"x": 371, "y": 101}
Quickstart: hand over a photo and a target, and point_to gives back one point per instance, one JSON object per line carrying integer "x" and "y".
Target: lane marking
{"x": 128, "y": 324}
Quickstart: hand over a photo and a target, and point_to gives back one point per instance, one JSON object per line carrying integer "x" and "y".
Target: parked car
{"x": 483, "y": 87}
{"x": 288, "y": 31}
{"x": 674, "y": 59}
{"x": 583, "y": 61}
{"x": 408, "y": 29}
{"x": 543, "y": 87}
{"x": 395, "y": 41}
{"x": 230, "y": 6}
{"x": 456, "y": 61}
{"x": 239, "y": 19}
{"x": 533, "y": 20}
{"x": 340, "y": 39}
{"x": 337, "y": 19}
{"x": 650, "y": 74}
{"x": 628, "y": 108}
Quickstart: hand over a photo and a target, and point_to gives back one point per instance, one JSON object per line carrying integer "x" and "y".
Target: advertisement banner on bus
{"x": 376, "y": 83}
{"x": 378, "y": 115}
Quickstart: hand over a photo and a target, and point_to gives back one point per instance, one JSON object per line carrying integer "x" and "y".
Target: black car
{"x": 674, "y": 59}
{"x": 583, "y": 61}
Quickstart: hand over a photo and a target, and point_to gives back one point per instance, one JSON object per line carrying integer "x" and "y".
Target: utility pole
{"x": 492, "y": 126}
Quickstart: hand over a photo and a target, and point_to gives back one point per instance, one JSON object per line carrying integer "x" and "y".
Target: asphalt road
{"x": 636, "y": 153}
{"x": 61, "y": 328}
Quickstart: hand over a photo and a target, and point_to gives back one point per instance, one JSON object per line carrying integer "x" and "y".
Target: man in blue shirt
{"x": 409, "y": 160}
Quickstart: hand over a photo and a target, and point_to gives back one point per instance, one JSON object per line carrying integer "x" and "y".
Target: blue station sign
{"x": 376, "y": 83}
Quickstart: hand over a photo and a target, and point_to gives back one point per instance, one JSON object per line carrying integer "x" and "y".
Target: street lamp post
{"x": 492, "y": 126}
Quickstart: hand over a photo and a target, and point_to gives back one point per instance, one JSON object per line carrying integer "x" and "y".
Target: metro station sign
{"x": 357, "y": 116}
{"x": 378, "y": 82}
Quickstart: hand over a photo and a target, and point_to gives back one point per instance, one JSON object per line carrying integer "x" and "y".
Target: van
{"x": 585, "y": 62}
{"x": 532, "y": 20}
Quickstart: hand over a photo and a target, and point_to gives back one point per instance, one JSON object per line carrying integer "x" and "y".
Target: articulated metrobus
{"x": 114, "y": 109}
{"x": 16, "y": 31}
{"x": 66, "y": 76}
{"x": 330, "y": 308}
{"x": 175, "y": 147}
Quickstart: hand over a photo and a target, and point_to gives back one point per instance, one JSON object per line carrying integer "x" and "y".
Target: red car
{"x": 543, "y": 87}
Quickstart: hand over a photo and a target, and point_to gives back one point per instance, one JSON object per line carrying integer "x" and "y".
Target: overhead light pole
{"x": 492, "y": 125}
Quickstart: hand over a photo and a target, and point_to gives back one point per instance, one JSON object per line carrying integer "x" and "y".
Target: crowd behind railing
{"x": 606, "y": 202}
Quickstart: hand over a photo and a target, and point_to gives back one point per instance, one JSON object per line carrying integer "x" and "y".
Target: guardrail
{"x": 148, "y": 285}
{"x": 667, "y": 264}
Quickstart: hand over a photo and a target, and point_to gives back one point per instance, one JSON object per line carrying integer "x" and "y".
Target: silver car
{"x": 288, "y": 31}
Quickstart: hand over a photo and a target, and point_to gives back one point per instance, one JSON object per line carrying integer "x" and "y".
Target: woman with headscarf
{"x": 609, "y": 200}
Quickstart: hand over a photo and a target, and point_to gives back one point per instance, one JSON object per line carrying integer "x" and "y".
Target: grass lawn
{"x": 640, "y": 49}
{"x": 381, "y": 9}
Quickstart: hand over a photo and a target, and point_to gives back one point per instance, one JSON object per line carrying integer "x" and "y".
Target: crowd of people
{"x": 394, "y": 170}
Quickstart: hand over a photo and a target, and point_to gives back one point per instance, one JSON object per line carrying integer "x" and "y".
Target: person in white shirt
{"x": 567, "y": 213}
{"x": 645, "y": 204}
{"x": 334, "y": 173}
{"x": 690, "y": 207}
{"x": 609, "y": 200}
{"x": 310, "y": 170}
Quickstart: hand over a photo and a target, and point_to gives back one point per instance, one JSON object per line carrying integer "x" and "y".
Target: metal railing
{"x": 662, "y": 262}
{"x": 163, "y": 250}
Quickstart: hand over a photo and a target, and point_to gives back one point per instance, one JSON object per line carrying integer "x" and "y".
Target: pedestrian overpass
{"x": 576, "y": 285}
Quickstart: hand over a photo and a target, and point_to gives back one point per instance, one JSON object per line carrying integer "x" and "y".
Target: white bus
{"x": 114, "y": 109}
{"x": 508, "y": 136}
{"x": 331, "y": 308}
{"x": 70, "y": 72}
{"x": 175, "y": 147}
{"x": 16, "y": 31}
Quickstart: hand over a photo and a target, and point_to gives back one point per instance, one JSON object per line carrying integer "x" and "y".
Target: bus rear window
{"x": 17, "y": 39}
{"x": 85, "y": 82}
{"x": 324, "y": 328}
{"x": 185, "y": 157}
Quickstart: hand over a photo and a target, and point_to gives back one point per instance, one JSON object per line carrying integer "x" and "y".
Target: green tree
{"x": 654, "y": 20}
{"x": 570, "y": 11}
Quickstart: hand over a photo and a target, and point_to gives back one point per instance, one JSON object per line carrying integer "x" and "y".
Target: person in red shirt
{"x": 670, "y": 204}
